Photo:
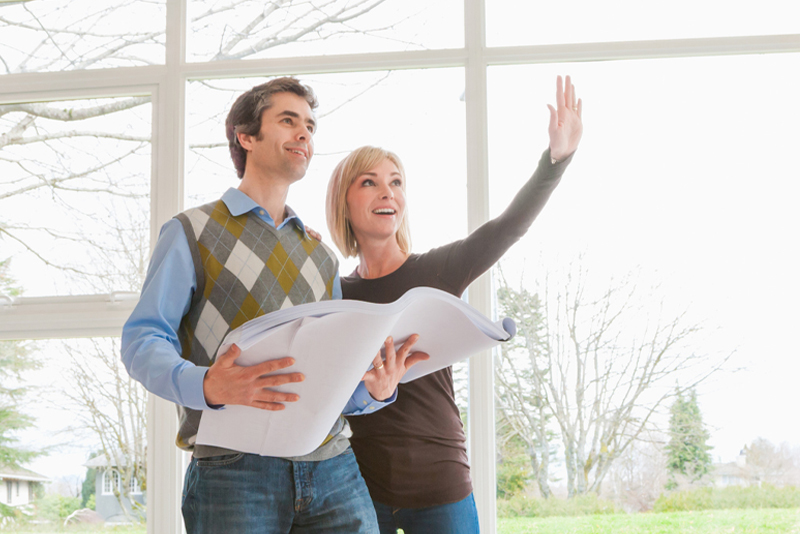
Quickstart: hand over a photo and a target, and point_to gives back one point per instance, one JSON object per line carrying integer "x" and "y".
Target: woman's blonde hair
{"x": 354, "y": 165}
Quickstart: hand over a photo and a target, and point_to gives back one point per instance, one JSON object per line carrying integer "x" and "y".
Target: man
{"x": 217, "y": 266}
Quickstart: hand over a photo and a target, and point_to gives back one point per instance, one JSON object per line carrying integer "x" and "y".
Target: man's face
{"x": 285, "y": 143}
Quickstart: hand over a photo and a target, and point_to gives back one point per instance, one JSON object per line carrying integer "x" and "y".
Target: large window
{"x": 75, "y": 194}
{"x": 111, "y": 122}
{"x": 668, "y": 240}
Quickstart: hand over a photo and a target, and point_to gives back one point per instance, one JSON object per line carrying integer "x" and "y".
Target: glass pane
{"x": 239, "y": 29}
{"x": 87, "y": 420}
{"x": 74, "y": 194}
{"x": 388, "y": 109}
{"x": 510, "y": 22}
{"x": 52, "y": 35}
{"x": 682, "y": 197}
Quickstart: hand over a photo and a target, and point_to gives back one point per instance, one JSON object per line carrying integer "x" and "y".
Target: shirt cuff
{"x": 190, "y": 383}
{"x": 361, "y": 402}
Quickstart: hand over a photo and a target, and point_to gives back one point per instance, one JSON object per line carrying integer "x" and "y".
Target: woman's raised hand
{"x": 566, "y": 126}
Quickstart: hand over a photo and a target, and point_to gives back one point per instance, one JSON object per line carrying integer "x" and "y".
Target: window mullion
{"x": 164, "y": 466}
{"x": 481, "y": 377}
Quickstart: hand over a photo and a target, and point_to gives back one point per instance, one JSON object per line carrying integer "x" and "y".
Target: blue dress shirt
{"x": 150, "y": 346}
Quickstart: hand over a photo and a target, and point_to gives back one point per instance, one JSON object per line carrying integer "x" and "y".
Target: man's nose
{"x": 302, "y": 132}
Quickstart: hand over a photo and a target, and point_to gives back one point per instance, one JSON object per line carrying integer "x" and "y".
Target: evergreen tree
{"x": 15, "y": 358}
{"x": 88, "y": 487}
{"x": 688, "y": 452}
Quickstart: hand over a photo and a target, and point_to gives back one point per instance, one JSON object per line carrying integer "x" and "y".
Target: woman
{"x": 412, "y": 453}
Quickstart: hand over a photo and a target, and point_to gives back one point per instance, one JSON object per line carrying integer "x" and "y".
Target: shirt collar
{"x": 239, "y": 203}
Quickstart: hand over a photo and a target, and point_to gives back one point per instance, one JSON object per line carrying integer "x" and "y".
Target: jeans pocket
{"x": 219, "y": 461}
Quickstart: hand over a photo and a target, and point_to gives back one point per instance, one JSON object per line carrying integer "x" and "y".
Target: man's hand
{"x": 565, "y": 127}
{"x": 228, "y": 383}
{"x": 382, "y": 379}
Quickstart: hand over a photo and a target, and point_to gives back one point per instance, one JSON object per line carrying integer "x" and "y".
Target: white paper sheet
{"x": 333, "y": 344}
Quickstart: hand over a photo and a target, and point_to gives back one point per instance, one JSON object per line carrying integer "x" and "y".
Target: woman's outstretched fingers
{"x": 391, "y": 355}
{"x": 409, "y": 358}
{"x": 565, "y": 127}
{"x": 406, "y": 348}
{"x": 377, "y": 363}
{"x": 415, "y": 358}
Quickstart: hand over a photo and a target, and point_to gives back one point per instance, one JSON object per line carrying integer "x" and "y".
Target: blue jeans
{"x": 251, "y": 494}
{"x": 455, "y": 518}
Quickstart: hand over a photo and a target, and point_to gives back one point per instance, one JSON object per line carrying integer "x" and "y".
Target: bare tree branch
{"x": 603, "y": 367}
{"x": 54, "y": 112}
{"x": 108, "y": 404}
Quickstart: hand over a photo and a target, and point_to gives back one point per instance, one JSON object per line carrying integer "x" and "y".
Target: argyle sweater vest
{"x": 244, "y": 268}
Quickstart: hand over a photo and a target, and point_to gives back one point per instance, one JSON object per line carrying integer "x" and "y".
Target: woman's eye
{"x": 398, "y": 183}
{"x": 367, "y": 182}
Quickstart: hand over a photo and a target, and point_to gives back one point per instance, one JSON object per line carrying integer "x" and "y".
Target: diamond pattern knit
{"x": 244, "y": 268}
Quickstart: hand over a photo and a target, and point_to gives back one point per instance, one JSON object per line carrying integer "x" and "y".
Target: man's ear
{"x": 245, "y": 140}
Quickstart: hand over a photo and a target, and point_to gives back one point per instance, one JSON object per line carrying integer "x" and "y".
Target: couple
{"x": 219, "y": 265}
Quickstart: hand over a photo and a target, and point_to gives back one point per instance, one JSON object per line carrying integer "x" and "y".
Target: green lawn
{"x": 764, "y": 521}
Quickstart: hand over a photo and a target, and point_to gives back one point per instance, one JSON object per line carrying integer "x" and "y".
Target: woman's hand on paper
{"x": 382, "y": 379}
{"x": 229, "y": 383}
{"x": 313, "y": 233}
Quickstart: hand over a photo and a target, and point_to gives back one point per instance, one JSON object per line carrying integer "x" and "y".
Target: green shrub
{"x": 766, "y": 496}
{"x": 57, "y": 507}
{"x": 512, "y": 476}
{"x": 524, "y": 506}
{"x": 6, "y": 510}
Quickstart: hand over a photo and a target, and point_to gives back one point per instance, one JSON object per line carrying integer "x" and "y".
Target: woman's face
{"x": 376, "y": 202}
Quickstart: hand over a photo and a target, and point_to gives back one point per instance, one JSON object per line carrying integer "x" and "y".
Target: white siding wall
{"x": 19, "y": 492}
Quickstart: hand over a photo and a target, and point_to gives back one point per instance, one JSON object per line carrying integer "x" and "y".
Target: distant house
{"x": 107, "y": 480}
{"x": 17, "y": 485}
{"x": 736, "y": 473}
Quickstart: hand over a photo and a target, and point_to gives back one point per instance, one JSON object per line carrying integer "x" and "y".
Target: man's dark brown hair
{"x": 245, "y": 114}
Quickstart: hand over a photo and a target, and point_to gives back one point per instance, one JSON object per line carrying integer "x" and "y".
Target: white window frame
{"x": 135, "y": 489}
{"x": 83, "y": 316}
{"x": 110, "y": 482}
